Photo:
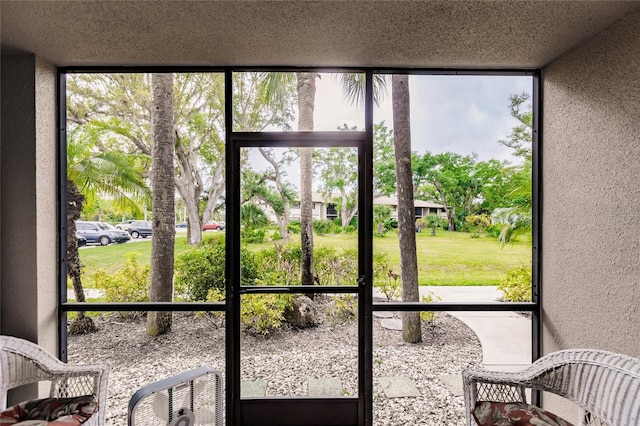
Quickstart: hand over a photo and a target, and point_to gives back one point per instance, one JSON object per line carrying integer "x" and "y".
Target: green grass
{"x": 448, "y": 258}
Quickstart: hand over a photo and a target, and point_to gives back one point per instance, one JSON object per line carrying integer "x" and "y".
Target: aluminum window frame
{"x": 366, "y": 307}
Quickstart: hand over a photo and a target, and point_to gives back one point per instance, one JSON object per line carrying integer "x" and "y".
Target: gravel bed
{"x": 286, "y": 359}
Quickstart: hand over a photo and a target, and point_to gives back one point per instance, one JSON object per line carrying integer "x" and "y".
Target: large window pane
{"x": 136, "y": 359}
{"x": 271, "y": 210}
{"x": 268, "y": 101}
{"x": 316, "y": 361}
{"x": 109, "y": 147}
{"x": 471, "y": 157}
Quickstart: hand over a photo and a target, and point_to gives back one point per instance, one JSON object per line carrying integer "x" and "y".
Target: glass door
{"x": 307, "y": 373}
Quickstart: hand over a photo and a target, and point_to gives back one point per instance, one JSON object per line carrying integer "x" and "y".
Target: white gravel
{"x": 286, "y": 360}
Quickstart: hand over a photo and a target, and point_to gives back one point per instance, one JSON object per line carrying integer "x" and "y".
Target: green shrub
{"x": 129, "y": 284}
{"x": 344, "y": 309}
{"x": 335, "y": 267}
{"x": 384, "y": 279}
{"x": 264, "y": 313}
{"x": 494, "y": 230}
{"x": 279, "y": 265}
{"x": 349, "y": 229}
{"x": 253, "y": 236}
{"x": 202, "y": 269}
{"x": 476, "y": 224}
{"x": 294, "y": 227}
{"x": 324, "y": 226}
{"x": 429, "y": 316}
{"x": 517, "y": 285}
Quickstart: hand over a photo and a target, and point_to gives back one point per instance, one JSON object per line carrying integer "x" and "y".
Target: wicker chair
{"x": 605, "y": 385}
{"x": 23, "y": 362}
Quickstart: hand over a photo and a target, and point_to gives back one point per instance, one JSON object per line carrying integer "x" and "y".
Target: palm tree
{"x": 411, "y": 329}
{"x": 162, "y": 182}
{"x": 353, "y": 86}
{"x": 92, "y": 173}
{"x": 275, "y": 85}
{"x": 306, "y": 99}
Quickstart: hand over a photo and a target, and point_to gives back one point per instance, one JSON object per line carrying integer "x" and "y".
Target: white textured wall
{"x": 591, "y": 194}
{"x": 28, "y": 200}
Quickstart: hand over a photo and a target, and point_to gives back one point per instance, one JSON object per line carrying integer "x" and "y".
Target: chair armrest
{"x": 485, "y": 385}
{"x": 82, "y": 379}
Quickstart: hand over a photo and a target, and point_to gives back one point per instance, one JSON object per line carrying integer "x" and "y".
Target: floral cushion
{"x": 489, "y": 413}
{"x": 51, "y": 411}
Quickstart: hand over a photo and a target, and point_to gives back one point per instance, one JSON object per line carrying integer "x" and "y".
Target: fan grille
{"x": 190, "y": 398}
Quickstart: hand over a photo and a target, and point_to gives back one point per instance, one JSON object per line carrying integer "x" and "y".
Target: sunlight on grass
{"x": 448, "y": 258}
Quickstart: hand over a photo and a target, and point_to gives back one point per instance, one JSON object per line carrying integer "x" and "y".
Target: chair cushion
{"x": 489, "y": 413}
{"x": 51, "y": 411}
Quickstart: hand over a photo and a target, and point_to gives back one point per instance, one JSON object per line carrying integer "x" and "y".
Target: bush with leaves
{"x": 253, "y": 236}
{"x": 335, "y": 267}
{"x": 201, "y": 269}
{"x": 384, "y": 279}
{"x": 434, "y": 221}
{"x": 294, "y": 227}
{"x": 517, "y": 285}
{"x": 325, "y": 226}
{"x": 494, "y": 230}
{"x": 344, "y": 309}
{"x": 129, "y": 284}
{"x": 279, "y": 265}
{"x": 477, "y": 223}
{"x": 264, "y": 313}
{"x": 429, "y": 316}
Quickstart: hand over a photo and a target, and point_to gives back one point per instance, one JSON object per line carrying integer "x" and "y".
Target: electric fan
{"x": 187, "y": 399}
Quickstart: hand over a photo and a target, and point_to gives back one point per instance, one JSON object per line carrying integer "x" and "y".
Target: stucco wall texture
{"x": 591, "y": 194}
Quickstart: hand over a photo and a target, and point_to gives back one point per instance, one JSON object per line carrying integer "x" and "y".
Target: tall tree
{"x": 121, "y": 104}
{"x": 519, "y": 217}
{"x": 411, "y": 328}
{"x": 92, "y": 173}
{"x": 163, "y": 184}
{"x": 306, "y": 90}
{"x": 338, "y": 169}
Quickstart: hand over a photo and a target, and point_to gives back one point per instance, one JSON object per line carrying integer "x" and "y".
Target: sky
{"x": 461, "y": 114}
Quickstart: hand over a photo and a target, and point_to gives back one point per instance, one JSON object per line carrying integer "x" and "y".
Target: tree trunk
{"x": 411, "y": 329}
{"x": 82, "y": 324}
{"x": 306, "y": 99}
{"x": 163, "y": 184}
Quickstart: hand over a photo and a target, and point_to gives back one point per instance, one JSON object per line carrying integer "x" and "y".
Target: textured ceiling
{"x": 477, "y": 34}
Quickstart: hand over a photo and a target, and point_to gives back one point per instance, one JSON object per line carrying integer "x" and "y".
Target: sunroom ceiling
{"x": 485, "y": 34}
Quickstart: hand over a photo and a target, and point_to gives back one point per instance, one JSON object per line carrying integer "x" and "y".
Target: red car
{"x": 213, "y": 226}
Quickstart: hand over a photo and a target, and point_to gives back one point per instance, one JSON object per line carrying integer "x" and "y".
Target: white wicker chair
{"x": 605, "y": 385}
{"x": 23, "y": 362}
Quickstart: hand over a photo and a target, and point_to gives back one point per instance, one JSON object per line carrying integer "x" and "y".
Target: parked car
{"x": 182, "y": 226}
{"x": 101, "y": 232}
{"x": 82, "y": 241}
{"x": 213, "y": 226}
{"x": 140, "y": 228}
{"x": 125, "y": 224}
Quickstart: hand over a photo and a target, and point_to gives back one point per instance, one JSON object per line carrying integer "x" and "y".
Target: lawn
{"x": 448, "y": 258}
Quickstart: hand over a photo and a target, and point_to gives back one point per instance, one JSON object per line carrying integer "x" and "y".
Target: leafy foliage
{"x": 477, "y": 224}
{"x": 129, "y": 284}
{"x": 434, "y": 221}
{"x": 202, "y": 269}
{"x": 334, "y": 267}
{"x": 381, "y": 220}
{"x": 429, "y": 316}
{"x": 253, "y": 236}
{"x": 325, "y": 226}
{"x": 384, "y": 279}
{"x": 343, "y": 310}
{"x": 264, "y": 313}
{"x": 517, "y": 285}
